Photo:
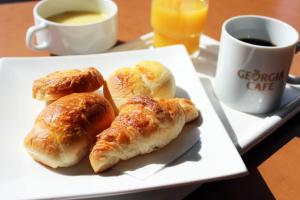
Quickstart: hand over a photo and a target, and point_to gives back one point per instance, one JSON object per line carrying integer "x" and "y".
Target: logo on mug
{"x": 260, "y": 81}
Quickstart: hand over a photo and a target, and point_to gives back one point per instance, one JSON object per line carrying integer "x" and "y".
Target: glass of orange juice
{"x": 178, "y": 22}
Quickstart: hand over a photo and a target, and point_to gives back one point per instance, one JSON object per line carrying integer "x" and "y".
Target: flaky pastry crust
{"x": 143, "y": 125}
{"x": 65, "y": 130}
{"x": 61, "y": 83}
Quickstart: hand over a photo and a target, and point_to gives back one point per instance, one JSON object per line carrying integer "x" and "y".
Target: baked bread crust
{"x": 149, "y": 78}
{"x": 65, "y": 130}
{"x": 61, "y": 83}
{"x": 143, "y": 125}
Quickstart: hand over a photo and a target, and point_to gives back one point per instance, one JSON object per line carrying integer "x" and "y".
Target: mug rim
{"x": 260, "y": 17}
{"x": 44, "y": 20}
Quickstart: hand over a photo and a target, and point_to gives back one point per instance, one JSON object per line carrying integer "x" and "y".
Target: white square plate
{"x": 214, "y": 157}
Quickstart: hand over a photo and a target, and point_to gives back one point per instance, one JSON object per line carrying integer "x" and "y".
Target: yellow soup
{"x": 178, "y": 22}
{"x": 77, "y": 17}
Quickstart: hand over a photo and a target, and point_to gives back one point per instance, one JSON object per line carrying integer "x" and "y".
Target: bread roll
{"x": 148, "y": 78}
{"x": 65, "y": 130}
{"x": 142, "y": 126}
{"x": 61, "y": 83}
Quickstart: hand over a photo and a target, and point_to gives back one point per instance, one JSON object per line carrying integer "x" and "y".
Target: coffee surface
{"x": 258, "y": 42}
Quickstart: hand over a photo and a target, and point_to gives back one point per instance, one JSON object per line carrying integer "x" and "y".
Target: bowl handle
{"x": 30, "y": 35}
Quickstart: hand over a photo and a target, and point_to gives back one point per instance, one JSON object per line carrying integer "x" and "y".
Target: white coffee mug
{"x": 254, "y": 60}
{"x": 62, "y": 39}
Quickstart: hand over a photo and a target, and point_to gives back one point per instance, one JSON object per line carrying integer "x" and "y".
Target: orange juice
{"x": 178, "y": 22}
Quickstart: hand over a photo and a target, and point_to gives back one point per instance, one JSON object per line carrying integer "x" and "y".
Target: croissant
{"x": 65, "y": 130}
{"x": 143, "y": 125}
{"x": 62, "y": 83}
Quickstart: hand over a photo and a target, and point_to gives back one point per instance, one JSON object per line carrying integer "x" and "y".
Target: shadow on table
{"x": 252, "y": 186}
{"x": 246, "y": 188}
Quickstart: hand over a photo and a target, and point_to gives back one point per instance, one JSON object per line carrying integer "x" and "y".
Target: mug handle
{"x": 293, "y": 79}
{"x": 29, "y": 37}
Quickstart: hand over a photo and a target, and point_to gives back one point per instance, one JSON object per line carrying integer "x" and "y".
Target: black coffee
{"x": 258, "y": 42}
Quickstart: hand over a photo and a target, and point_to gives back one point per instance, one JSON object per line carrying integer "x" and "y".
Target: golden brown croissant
{"x": 148, "y": 78}
{"x": 142, "y": 126}
{"x": 61, "y": 83}
{"x": 65, "y": 130}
